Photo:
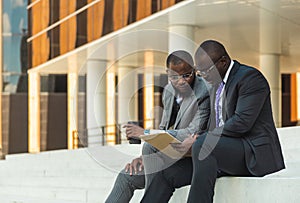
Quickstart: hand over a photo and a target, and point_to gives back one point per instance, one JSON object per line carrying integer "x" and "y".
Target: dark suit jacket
{"x": 247, "y": 114}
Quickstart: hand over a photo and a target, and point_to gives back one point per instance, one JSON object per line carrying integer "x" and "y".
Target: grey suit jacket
{"x": 248, "y": 115}
{"x": 194, "y": 110}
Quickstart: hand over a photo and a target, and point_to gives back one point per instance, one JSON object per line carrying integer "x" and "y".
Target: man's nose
{"x": 181, "y": 80}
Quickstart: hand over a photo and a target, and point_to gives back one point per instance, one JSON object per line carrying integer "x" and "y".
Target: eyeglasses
{"x": 206, "y": 72}
{"x": 184, "y": 76}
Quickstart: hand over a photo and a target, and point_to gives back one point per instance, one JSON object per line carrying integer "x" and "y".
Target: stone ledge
{"x": 53, "y": 176}
{"x": 246, "y": 189}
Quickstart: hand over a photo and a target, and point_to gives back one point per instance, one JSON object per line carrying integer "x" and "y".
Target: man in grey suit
{"x": 185, "y": 111}
{"x": 242, "y": 139}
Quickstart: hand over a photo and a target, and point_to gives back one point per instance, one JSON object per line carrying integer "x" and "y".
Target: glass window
{"x": 81, "y": 31}
{"x": 15, "y": 30}
{"x": 54, "y": 83}
{"x": 54, "y": 11}
{"x": 54, "y": 42}
{"x": 80, "y": 4}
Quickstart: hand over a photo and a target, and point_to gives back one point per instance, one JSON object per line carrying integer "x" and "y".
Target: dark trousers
{"x": 212, "y": 157}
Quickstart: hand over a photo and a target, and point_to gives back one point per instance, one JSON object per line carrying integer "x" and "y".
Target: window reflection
{"x": 14, "y": 33}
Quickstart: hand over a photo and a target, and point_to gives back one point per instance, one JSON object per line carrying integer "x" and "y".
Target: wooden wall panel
{"x": 95, "y": 16}
{"x": 102, "y": 18}
{"x": 36, "y": 16}
{"x": 120, "y": 13}
{"x": 67, "y": 33}
{"x": 63, "y": 27}
{"x": 167, "y": 3}
{"x": 72, "y": 26}
{"x": 45, "y": 42}
{"x": 40, "y": 21}
{"x": 143, "y": 9}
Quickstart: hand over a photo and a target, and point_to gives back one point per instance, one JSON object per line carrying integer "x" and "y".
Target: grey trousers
{"x": 125, "y": 185}
{"x": 154, "y": 162}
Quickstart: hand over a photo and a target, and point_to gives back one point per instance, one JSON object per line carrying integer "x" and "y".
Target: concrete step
{"x": 289, "y": 137}
{"x": 14, "y": 194}
{"x": 44, "y": 193}
{"x": 109, "y": 157}
{"x": 65, "y": 182}
{"x": 291, "y": 155}
{"x": 25, "y": 199}
{"x": 62, "y": 155}
{"x": 6, "y": 171}
{"x": 249, "y": 190}
{"x": 246, "y": 190}
{"x": 87, "y": 175}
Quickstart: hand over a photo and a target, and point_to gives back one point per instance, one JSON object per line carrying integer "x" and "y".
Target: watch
{"x": 146, "y": 132}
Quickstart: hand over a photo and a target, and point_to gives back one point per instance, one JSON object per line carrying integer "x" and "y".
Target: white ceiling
{"x": 235, "y": 23}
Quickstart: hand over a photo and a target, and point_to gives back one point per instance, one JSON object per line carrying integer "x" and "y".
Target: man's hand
{"x": 186, "y": 145}
{"x": 135, "y": 166}
{"x": 133, "y": 130}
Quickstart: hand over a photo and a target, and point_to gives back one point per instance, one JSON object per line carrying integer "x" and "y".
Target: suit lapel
{"x": 187, "y": 101}
{"x": 183, "y": 107}
{"x": 231, "y": 78}
{"x": 169, "y": 104}
{"x": 232, "y": 74}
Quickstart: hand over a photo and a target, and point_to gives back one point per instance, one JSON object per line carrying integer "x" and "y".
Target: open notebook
{"x": 161, "y": 141}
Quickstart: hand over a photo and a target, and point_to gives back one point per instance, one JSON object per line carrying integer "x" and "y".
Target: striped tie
{"x": 217, "y": 106}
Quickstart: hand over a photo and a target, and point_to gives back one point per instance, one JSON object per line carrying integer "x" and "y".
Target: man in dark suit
{"x": 185, "y": 110}
{"x": 242, "y": 139}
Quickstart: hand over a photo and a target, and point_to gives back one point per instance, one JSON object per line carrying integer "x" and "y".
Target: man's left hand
{"x": 186, "y": 145}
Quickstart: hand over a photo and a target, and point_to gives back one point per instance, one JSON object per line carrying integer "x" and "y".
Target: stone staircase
{"x": 87, "y": 175}
{"x": 60, "y": 176}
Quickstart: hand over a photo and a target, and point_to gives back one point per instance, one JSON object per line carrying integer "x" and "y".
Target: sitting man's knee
{"x": 122, "y": 176}
{"x": 148, "y": 149}
{"x": 198, "y": 146}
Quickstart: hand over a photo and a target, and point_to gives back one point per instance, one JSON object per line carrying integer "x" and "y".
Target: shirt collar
{"x": 228, "y": 71}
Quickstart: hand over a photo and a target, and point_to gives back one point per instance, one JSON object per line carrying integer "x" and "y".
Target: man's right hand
{"x": 135, "y": 166}
{"x": 133, "y": 130}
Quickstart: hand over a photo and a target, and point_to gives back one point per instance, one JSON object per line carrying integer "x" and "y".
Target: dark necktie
{"x": 175, "y": 110}
{"x": 217, "y": 101}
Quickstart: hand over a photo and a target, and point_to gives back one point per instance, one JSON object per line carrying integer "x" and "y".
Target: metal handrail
{"x": 80, "y": 137}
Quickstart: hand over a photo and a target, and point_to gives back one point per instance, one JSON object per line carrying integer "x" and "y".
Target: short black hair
{"x": 212, "y": 48}
{"x": 180, "y": 56}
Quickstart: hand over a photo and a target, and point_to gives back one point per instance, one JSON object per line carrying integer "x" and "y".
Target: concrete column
{"x": 181, "y": 36}
{"x": 111, "y": 106}
{"x": 34, "y": 112}
{"x": 72, "y": 109}
{"x": 298, "y": 96}
{"x": 127, "y": 100}
{"x": 72, "y": 102}
{"x": 148, "y": 89}
{"x": 270, "y": 50}
{"x": 127, "y": 90}
{"x": 96, "y": 101}
{"x": 1, "y": 85}
{"x": 181, "y": 30}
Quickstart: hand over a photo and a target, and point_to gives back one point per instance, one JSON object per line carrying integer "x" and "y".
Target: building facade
{"x": 69, "y": 26}
{"x": 93, "y": 65}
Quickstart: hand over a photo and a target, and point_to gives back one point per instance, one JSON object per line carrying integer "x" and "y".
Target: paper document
{"x": 161, "y": 141}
